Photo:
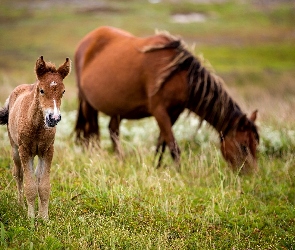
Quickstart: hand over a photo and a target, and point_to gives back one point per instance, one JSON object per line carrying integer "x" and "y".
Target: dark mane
{"x": 207, "y": 97}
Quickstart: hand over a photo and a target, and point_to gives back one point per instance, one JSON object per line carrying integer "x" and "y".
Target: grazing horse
{"x": 128, "y": 77}
{"x": 31, "y": 113}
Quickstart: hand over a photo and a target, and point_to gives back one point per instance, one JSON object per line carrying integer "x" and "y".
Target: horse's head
{"x": 239, "y": 146}
{"x": 50, "y": 89}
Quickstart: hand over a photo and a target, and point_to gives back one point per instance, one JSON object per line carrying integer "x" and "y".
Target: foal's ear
{"x": 65, "y": 68}
{"x": 253, "y": 116}
{"x": 40, "y": 67}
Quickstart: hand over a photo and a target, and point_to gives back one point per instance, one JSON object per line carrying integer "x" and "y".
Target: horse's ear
{"x": 253, "y": 116}
{"x": 243, "y": 122}
{"x": 40, "y": 67}
{"x": 65, "y": 68}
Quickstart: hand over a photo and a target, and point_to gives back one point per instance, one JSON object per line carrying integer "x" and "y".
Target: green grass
{"x": 100, "y": 202}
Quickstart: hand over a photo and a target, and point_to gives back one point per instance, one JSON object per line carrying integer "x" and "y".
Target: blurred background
{"x": 98, "y": 201}
{"x": 249, "y": 43}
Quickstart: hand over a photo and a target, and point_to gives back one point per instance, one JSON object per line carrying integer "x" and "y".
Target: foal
{"x": 31, "y": 113}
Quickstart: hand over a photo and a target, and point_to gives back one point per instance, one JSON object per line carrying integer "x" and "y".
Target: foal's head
{"x": 239, "y": 146}
{"x": 50, "y": 89}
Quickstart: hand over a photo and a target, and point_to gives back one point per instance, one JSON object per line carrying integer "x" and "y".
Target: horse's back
{"x": 114, "y": 74}
{"x": 19, "y": 91}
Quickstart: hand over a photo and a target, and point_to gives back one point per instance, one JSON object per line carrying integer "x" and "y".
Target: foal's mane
{"x": 49, "y": 68}
{"x": 207, "y": 96}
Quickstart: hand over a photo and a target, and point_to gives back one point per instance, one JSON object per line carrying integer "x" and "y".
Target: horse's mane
{"x": 207, "y": 95}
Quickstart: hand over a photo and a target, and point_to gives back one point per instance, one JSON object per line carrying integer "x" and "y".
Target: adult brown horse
{"x": 31, "y": 113}
{"x": 128, "y": 77}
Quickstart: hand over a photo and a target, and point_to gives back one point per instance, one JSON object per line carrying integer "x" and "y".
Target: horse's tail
{"x": 87, "y": 117}
{"x": 87, "y": 122}
{"x": 80, "y": 123}
{"x": 4, "y": 113}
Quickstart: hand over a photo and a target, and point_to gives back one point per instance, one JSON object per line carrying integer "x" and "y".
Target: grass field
{"x": 100, "y": 202}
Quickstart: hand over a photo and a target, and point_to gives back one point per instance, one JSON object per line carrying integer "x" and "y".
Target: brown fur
{"x": 31, "y": 117}
{"x": 127, "y": 77}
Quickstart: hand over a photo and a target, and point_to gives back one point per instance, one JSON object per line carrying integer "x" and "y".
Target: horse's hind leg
{"x": 18, "y": 175}
{"x": 43, "y": 180}
{"x": 114, "y": 134}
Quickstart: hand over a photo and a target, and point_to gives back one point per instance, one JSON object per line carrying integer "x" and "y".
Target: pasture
{"x": 100, "y": 202}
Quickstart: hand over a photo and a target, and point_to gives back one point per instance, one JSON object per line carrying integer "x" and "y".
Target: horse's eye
{"x": 42, "y": 91}
{"x": 244, "y": 148}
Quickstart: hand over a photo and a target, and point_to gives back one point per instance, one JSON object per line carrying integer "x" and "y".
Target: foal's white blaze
{"x": 55, "y": 110}
{"x": 53, "y": 83}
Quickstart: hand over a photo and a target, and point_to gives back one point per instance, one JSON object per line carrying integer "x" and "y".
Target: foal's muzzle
{"x": 52, "y": 120}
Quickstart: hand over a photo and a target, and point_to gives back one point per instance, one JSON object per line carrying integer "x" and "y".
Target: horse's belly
{"x": 130, "y": 108}
{"x": 113, "y": 97}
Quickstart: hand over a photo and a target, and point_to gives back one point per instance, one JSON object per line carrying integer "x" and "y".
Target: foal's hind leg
{"x": 18, "y": 175}
{"x": 30, "y": 186}
{"x": 114, "y": 134}
{"x": 43, "y": 180}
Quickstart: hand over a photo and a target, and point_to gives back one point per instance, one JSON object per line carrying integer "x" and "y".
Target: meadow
{"x": 101, "y": 202}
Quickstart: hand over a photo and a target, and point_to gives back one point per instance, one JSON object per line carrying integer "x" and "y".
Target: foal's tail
{"x": 4, "y": 112}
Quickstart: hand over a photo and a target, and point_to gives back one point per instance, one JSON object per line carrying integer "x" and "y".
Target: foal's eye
{"x": 42, "y": 91}
{"x": 63, "y": 92}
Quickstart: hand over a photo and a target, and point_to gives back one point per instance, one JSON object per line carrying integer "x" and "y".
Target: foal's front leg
{"x": 43, "y": 179}
{"x": 30, "y": 186}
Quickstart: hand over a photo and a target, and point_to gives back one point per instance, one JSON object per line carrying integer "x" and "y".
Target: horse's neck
{"x": 212, "y": 103}
{"x": 222, "y": 121}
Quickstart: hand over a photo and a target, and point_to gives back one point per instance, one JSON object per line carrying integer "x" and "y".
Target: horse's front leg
{"x": 30, "y": 185}
{"x": 43, "y": 180}
{"x": 160, "y": 144}
{"x": 166, "y": 133}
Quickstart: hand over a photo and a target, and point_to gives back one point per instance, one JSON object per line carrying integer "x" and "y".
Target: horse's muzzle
{"x": 52, "y": 120}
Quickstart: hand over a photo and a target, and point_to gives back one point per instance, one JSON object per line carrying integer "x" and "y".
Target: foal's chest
{"x": 38, "y": 141}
